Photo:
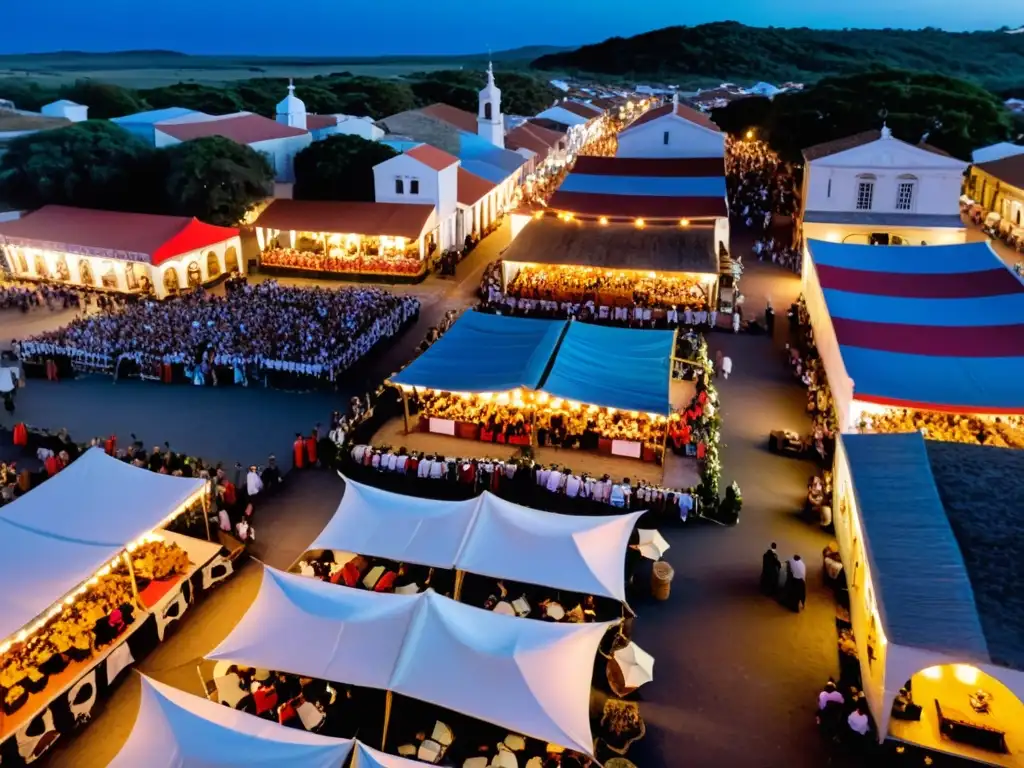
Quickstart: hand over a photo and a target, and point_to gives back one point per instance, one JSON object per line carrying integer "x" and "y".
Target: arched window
{"x": 171, "y": 282}
{"x": 906, "y": 185}
{"x": 865, "y": 192}
{"x": 212, "y": 265}
{"x": 231, "y": 259}
{"x": 487, "y": 111}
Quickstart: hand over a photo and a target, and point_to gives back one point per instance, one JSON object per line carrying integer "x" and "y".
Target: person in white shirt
{"x": 726, "y": 366}
{"x": 798, "y": 582}
{"x": 555, "y": 481}
{"x": 542, "y": 477}
{"x": 400, "y": 461}
{"x": 244, "y": 531}
{"x": 685, "y": 506}
{"x": 253, "y": 482}
{"x": 572, "y": 486}
{"x": 437, "y": 468}
{"x": 858, "y": 720}
{"x": 829, "y": 695}
{"x": 619, "y": 494}
{"x": 224, "y": 520}
{"x": 423, "y": 470}
{"x": 672, "y": 317}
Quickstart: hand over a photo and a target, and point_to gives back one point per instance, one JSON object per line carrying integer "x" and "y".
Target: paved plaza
{"x": 736, "y": 673}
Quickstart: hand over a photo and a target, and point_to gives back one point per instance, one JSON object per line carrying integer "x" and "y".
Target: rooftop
{"x": 1009, "y": 170}
{"x": 472, "y": 187}
{"x": 459, "y": 118}
{"x": 156, "y": 115}
{"x": 615, "y": 246}
{"x": 679, "y": 110}
{"x": 587, "y": 111}
{"x": 432, "y": 157}
{"x": 834, "y": 147}
{"x": 347, "y": 217}
{"x": 244, "y": 127}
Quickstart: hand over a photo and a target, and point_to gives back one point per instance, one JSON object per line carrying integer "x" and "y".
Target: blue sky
{"x": 380, "y": 27}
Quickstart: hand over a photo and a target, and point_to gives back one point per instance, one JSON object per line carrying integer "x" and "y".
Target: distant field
{"x": 141, "y": 71}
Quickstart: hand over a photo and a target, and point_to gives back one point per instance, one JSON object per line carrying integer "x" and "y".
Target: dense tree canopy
{"x": 711, "y": 53}
{"x": 521, "y": 94}
{"x": 951, "y": 114}
{"x": 339, "y": 168}
{"x": 87, "y": 164}
{"x": 214, "y": 179}
{"x": 202, "y": 98}
{"x": 104, "y": 100}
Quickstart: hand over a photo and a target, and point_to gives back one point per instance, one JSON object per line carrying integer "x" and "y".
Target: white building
{"x": 423, "y": 174}
{"x": 583, "y": 122}
{"x": 489, "y": 122}
{"x": 873, "y": 188}
{"x": 322, "y": 126}
{"x": 69, "y": 110}
{"x": 671, "y": 130}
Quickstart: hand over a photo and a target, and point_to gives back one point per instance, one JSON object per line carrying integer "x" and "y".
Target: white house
{"x": 69, "y": 110}
{"x": 873, "y": 188}
{"x": 671, "y": 130}
{"x": 423, "y": 174}
{"x": 583, "y": 121}
{"x": 322, "y": 126}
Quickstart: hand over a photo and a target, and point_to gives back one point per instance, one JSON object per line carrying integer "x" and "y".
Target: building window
{"x": 865, "y": 193}
{"x": 905, "y": 194}
{"x": 828, "y": 192}
{"x": 487, "y": 111}
{"x": 414, "y": 187}
{"x": 664, "y": 138}
{"x": 399, "y": 187}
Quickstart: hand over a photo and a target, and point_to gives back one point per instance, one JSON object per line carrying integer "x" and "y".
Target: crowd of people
{"x": 26, "y": 296}
{"x": 760, "y": 186}
{"x": 338, "y": 261}
{"x": 302, "y": 332}
{"x": 777, "y": 252}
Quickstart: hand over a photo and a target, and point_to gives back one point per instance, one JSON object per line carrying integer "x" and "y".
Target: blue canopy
{"x": 614, "y": 368}
{"x": 486, "y": 353}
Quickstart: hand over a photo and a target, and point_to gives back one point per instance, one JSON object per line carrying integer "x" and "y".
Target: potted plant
{"x": 621, "y": 725}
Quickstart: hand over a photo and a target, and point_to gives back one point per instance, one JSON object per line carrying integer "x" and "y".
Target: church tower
{"x": 292, "y": 111}
{"x": 489, "y": 122}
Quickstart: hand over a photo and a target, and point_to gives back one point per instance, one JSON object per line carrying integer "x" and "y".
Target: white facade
{"x": 404, "y": 179}
{"x": 291, "y": 111}
{"x": 489, "y": 122}
{"x": 670, "y": 135}
{"x": 888, "y": 187}
{"x": 69, "y": 110}
{"x": 350, "y": 125}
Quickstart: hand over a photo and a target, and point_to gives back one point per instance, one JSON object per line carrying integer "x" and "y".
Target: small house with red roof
{"x": 671, "y": 130}
{"x": 117, "y": 251}
{"x": 423, "y": 174}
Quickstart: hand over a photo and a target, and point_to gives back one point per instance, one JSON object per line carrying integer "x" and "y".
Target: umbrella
{"x": 652, "y": 544}
{"x": 636, "y": 664}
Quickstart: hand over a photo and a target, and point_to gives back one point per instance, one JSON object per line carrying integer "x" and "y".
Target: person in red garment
{"x": 311, "y": 448}
{"x": 299, "y": 451}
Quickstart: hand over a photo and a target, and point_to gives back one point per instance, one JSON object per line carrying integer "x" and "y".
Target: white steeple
{"x": 675, "y": 99}
{"x": 489, "y": 122}
{"x": 886, "y": 132}
{"x": 292, "y": 111}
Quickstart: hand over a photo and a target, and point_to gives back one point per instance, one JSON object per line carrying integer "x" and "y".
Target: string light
{"x": 603, "y": 221}
{"x": 640, "y": 223}
{"x": 684, "y": 222}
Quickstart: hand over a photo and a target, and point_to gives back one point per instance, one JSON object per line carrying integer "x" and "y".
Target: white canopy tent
{"x": 370, "y": 521}
{"x": 365, "y": 757}
{"x": 175, "y": 729}
{"x": 428, "y": 647}
{"x": 487, "y": 536}
{"x": 60, "y": 534}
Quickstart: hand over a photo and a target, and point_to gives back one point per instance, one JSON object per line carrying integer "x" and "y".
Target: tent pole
{"x": 206, "y": 510}
{"x": 387, "y": 720}
{"x": 135, "y": 584}
{"x": 405, "y": 408}
{"x": 459, "y": 576}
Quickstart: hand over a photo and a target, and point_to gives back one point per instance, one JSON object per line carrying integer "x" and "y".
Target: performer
{"x": 298, "y": 451}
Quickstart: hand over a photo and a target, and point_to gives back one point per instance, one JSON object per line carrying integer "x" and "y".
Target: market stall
{"x": 934, "y": 635}
{"x": 487, "y": 536}
{"x": 544, "y": 382}
{"x": 922, "y": 328}
{"x": 425, "y": 647}
{"x": 99, "y": 583}
{"x": 346, "y": 238}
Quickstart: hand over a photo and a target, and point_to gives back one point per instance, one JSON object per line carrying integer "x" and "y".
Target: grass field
{"x": 157, "y": 68}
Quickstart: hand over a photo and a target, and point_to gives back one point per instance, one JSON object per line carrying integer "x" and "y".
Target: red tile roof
{"x": 583, "y": 110}
{"x": 829, "y": 148}
{"x": 472, "y": 187}
{"x": 347, "y": 217}
{"x": 316, "y": 122}
{"x": 638, "y": 206}
{"x": 157, "y": 238}
{"x": 549, "y": 135}
{"x": 458, "y": 118}
{"x": 670, "y": 167}
{"x": 432, "y": 157}
{"x": 244, "y": 128}
{"x": 680, "y": 110}
{"x": 528, "y": 136}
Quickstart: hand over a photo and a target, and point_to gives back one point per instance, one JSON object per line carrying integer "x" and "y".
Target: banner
{"x": 442, "y": 426}
{"x": 626, "y": 448}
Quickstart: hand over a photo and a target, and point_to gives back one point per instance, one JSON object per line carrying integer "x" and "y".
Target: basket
{"x": 661, "y": 580}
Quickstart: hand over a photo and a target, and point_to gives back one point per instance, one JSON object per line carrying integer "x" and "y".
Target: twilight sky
{"x": 380, "y": 27}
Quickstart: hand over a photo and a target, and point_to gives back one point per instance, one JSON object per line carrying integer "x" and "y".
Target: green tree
{"x": 437, "y": 91}
{"x": 89, "y": 164}
{"x": 339, "y": 168}
{"x": 104, "y": 100}
{"x": 202, "y": 98}
{"x": 214, "y": 179}
{"x": 26, "y": 94}
{"x": 741, "y": 115}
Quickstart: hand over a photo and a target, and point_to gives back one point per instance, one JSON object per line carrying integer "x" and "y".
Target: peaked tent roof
{"x": 370, "y": 521}
{"x": 174, "y": 729}
{"x": 150, "y": 237}
{"x": 517, "y": 354}
{"x": 485, "y": 535}
{"x": 635, "y": 378}
{"x": 538, "y": 673}
{"x": 933, "y": 327}
{"x": 345, "y": 217}
{"x": 75, "y": 523}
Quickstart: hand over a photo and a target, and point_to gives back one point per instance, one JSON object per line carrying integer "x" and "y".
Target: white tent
{"x": 427, "y": 647}
{"x": 370, "y": 521}
{"x": 315, "y": 629}
{"x": 487, "y": 536}
{"x": 175, "y": 729}
{"x": 572, "y": 552}
{"x": 365, "y": 757}
{"x": 58, "y": 535}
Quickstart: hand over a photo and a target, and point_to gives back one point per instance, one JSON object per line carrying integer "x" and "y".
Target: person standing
{"x": 770, "y": 566}
{"x": 299, "y": 451}
{"x": 726, "y": 366}
{"x": 798, "y": 583}
{"x": 737, "y": 320}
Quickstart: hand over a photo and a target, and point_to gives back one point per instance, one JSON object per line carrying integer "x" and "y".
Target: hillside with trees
{"x": 729, "y": 51}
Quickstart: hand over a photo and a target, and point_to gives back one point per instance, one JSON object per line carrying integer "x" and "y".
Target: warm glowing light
{"x": 556, "y": 403}
{"x": 538, "y": 214}
{"x": 833, "y": 237}
{"x": 750, "y": 134}
{"x": 965, "y": 673}
{"x": 486, "y": 396}
{"x": 503, "y": 399}
{"x": 640, "y": 223}
{"x": 603, "y": 220}
{"x": 611, "y": 411}
{"x": 932, "y": 673}
{"x": 684, "y": 222}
